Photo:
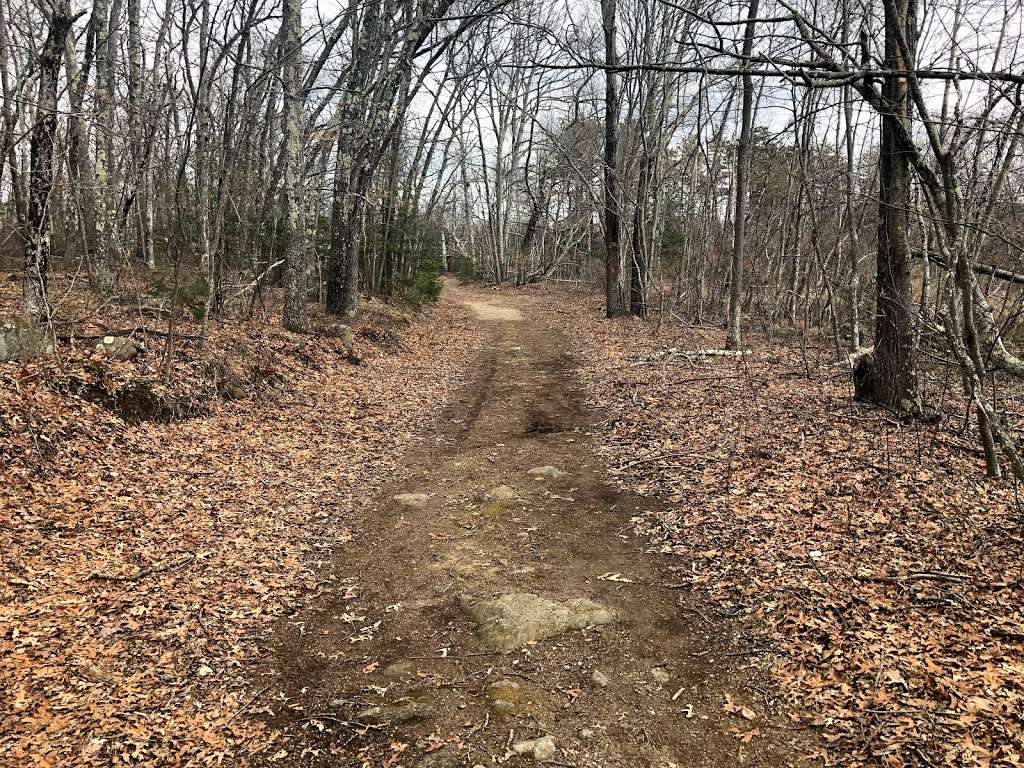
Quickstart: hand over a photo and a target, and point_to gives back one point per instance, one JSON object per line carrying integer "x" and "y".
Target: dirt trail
{"x": 388, "y": 628}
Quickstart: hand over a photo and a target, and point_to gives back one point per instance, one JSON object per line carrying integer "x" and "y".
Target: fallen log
{"x": 668, "y": 355}
{"x": 981, "y": 269}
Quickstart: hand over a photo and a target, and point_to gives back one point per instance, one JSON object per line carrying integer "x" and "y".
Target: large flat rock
{"x": 510, "y": 621}
{"x": 22, "y": 340}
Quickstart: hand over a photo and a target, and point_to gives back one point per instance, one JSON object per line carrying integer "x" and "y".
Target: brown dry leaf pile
{"x": 870, "y": 561}
{"x": 141, "y": 564}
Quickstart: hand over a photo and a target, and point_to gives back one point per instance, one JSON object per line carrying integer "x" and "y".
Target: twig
{"x": 454, "y": 658}
{"x": 160, "y": 567}
{"x": 749, "y": 651}
{"x": 669, "y": 355}
{"x": 338, "y": 721}
{"x": 256, "y": 282}
{"x": 956, "y": 578}
{"x": 126, "y": 332}
{"x": 246, "y": 705}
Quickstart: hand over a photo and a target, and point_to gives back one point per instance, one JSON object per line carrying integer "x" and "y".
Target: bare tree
{"x": 734, "y": 338}
{"x": 612, "y": 245}
{"x": 37, "y": 240}
{"x": 295, "y": 316}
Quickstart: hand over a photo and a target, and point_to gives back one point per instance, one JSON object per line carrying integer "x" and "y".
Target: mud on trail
{"x": 386, "y": 667}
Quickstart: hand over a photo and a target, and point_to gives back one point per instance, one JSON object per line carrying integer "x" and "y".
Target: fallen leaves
{"x": 143, "y": 563}
{"x": 870, "y": 562}
{"x": 737, "y": 709}
{"x": 745, "y": 736}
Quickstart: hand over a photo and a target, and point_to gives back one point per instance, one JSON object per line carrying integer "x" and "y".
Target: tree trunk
{"x": 853, "y": 254}
{"x": 889, "y": 376}
{"x": 347, "y": 208}
{"x": 638, "y": 274}
{"x": 138, "y": 196}
{"x": 612, "y": 247}
{"x": 295, "y": 316}
{"x": 37, "y": 242}
{"x": 734, "y": 338}
{"x": 104, "y": 267}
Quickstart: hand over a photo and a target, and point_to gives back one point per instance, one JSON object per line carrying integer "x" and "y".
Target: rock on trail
{"x": 547, "y": 473}
{"x": 510, "y": 621}
{"x": 448, "y": 757}
{"x": 542, "y": 749}
{"x": 502, "y": 493}
{"x": 396, "y": 714}
{"x": 412, "y": 500}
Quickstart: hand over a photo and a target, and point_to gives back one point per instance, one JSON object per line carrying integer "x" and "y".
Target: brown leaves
{"x": 745, "y": 736}
{"x": 199, "y": 534}
{"x": 874, "y": 556}
{"x": 736, "y": 709}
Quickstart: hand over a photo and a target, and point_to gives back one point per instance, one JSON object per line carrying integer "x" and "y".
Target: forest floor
{"x": 143, "y": 563}
{"x": 874, "y": 568}
{"x": 714, "y": 562}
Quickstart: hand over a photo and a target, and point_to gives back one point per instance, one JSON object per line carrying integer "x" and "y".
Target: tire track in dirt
{"x": 387, "y": 629}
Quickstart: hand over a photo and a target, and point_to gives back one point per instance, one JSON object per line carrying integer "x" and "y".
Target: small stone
{"x": 523, "y": 536}
{"x": 448, "y": 757}
{"x": 661, "y": 675}
{"x": 398, "y": 669}
{"x": 599, "y": 678}
{"x": 503, "y": 695}
{"x": 503, "y": 707}
{"x": 547, "y": 472}
{"x": 502, "y": 686}
{"x": 541, "y": 749}
{"x": 502, "y": 493}
{"x": 412, "y": 500}
{"x": 586, "y": 734}
{"x": 544, "y": 749}
{"x": 117, "y": 347}
{"x": 396, "y": 714}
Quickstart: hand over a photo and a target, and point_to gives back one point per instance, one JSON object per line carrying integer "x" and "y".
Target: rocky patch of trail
{"x": 494, "y": 608}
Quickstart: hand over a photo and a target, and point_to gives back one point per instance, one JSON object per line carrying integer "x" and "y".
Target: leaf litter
{"x": 142, "y": 563}
{"x": 869, "y": 562}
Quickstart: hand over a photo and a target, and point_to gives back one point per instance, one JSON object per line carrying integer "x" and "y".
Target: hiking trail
{"x": 494, "y": 605}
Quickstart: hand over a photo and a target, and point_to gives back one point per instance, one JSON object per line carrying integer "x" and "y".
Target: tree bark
{"x": 37, "y": 242}
{"x": 734, "y": 336}
{"x": 105, "y": 269}
{"x": 295, "y": 316}
{"x": 638, "y": 274}
{"x": 612, "y": 246}
{"x": 889, "y": 376}
{"x": 347, "y": 208}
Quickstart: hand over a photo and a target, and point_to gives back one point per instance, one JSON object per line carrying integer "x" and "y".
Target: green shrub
{"x": 424, "y": 285}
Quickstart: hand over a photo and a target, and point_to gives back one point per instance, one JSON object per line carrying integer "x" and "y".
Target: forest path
{"x": 390, "y": 631}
